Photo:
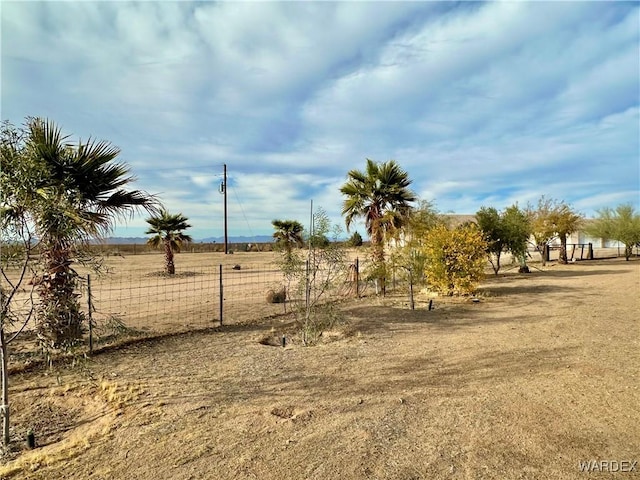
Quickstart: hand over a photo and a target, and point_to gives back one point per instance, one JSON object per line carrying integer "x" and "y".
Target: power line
{"x": 177, "y": 169}
{"x": 244, "y": 215}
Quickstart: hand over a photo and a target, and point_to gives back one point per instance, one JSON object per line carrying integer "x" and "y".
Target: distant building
{"x": 577, "y": 243}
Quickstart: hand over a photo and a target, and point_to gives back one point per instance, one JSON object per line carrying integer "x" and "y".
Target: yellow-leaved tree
{"x": 456, "y": 258}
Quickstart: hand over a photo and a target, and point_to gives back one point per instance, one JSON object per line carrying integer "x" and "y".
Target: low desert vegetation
{"x": 312, "y": 276}
{"x": 278, "y": 295}
{"x": 61, "y": 197}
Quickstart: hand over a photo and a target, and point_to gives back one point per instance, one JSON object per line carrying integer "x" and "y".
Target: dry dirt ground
{"x": 540, "y": 374}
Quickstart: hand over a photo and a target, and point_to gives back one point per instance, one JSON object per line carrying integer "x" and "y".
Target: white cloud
{"x": 480, "y": 102}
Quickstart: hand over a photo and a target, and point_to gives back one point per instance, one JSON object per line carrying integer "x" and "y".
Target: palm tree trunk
{"x": 377, "y": 247}
{"x": 60, "y": 321}
{"x": 170, "y": 267}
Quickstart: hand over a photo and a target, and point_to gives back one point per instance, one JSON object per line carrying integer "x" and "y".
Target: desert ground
{"x": 538, "y": 374}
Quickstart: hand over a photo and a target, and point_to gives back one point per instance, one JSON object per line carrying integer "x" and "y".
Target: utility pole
{"x": 224, "y": 190}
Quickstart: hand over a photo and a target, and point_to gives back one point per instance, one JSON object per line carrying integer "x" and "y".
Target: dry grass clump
{"x": 276, "y": 296}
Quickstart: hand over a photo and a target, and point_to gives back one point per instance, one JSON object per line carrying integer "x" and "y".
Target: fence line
{"x": 134, "y": 297}
{"x": 199, "y": 296}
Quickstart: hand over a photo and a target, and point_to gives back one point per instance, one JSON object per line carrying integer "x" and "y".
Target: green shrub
{"x": 355, "y": 240}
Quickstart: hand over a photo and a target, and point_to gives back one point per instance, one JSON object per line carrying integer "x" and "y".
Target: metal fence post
{"x": 89, "y": 307}
{"x": 411, "y": 300}
{"x": 221, "y": 296}
{"x": 357, "y": 279}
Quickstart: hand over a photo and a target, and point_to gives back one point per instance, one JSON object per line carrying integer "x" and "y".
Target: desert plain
{"x": 536, "y": 377}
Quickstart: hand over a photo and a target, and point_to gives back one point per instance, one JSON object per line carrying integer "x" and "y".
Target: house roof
{"x": 456, "y": 219}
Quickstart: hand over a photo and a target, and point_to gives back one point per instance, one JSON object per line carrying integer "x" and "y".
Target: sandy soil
{"x": 540, "y": 374}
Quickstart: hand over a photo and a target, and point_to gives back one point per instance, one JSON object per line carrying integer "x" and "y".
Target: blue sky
{"x": 482, "y": 103}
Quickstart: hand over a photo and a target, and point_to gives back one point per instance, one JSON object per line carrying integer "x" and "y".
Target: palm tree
{"x": 78, "y": 192}
{"x": 382, "y": 196}
{"x": 167, "y": 232}
{"x": 287, "y": 234}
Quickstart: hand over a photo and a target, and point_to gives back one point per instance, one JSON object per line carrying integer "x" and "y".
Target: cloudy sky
{"x": 482, "y": 103}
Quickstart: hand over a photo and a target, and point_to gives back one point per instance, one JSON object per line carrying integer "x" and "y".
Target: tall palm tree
{"x": 78, "y": 194}
{"x": 382, "y": 196}
{"x": 288, "y": 233}
{"x": 167, "y": 231}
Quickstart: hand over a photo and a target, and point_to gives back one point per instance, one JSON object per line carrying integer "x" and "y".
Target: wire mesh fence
{"x": 135, "y": 297}
{"x": 152, "y": 302}
{"x": 132, "y": 296}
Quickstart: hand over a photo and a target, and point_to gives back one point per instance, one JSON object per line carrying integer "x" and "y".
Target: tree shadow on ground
{"x": 381, "y": 319}
{"x": 570, "y": 270}
{"x": 575, "y": 271}
{"x": 479, "y": 368}
{"x": 504, "y": 289}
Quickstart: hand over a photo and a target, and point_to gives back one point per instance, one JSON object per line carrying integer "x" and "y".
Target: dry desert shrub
{"x": 271, "y": 340}
{"x": 276, "y": 296}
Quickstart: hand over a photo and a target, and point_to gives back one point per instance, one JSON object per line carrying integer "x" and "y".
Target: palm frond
{"x": 380, "y": 195}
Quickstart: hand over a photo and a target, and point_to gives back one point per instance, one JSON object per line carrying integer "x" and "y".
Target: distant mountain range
{"x": 240, "y": 239}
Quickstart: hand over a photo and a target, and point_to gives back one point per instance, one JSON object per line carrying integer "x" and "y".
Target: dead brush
{"x": 118, "y": 396}
{"x": 276, "y": 296}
